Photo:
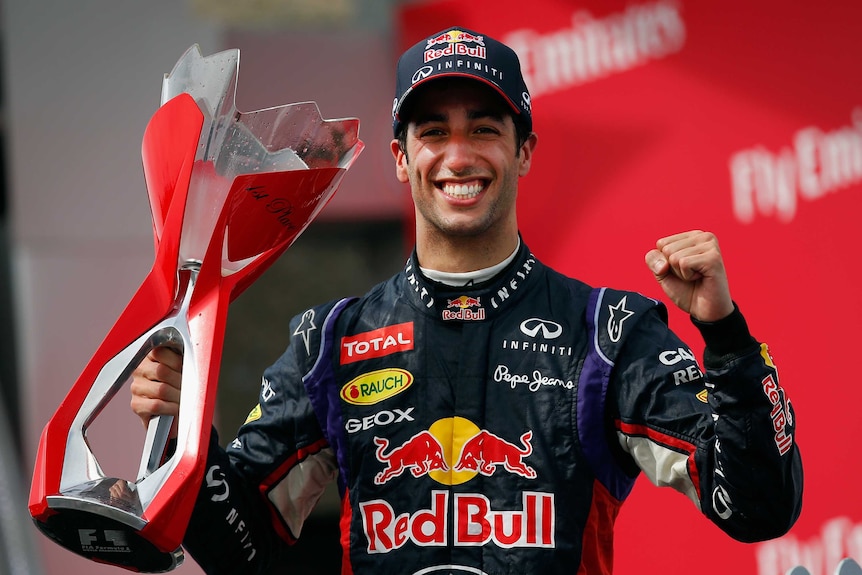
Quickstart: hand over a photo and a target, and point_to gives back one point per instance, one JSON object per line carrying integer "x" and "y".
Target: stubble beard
{"x": 464, "y": 225}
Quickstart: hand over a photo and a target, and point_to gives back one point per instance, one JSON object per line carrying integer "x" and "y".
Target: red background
{"x": 645, "y": 150}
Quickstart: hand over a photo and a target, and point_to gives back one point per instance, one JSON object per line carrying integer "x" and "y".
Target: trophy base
{"x": 105, "y": 533}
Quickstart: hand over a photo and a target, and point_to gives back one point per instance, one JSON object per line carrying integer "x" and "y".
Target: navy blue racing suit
{"x": 496, "y": 429}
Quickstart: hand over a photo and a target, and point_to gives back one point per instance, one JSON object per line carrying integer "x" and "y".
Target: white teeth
{"x": 462, "y": 191}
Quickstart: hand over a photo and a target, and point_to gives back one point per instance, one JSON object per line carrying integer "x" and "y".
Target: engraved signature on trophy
{"x": 280, "y": 207}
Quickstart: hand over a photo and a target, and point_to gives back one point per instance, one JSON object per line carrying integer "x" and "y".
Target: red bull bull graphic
{"x": 453, "y": 36}
{"x": 421, "y": 454}
{"x": 485, "y": 452}
{"x": 453, "y": 451}
{"x": 464, "y": 302}
{"x": 475, "y": 523}
{"x": 463, "y": 309}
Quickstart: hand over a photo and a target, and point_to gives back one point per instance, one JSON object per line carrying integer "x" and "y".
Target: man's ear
{"x": 526, "y": 157}
{"x": 400, "y": 161}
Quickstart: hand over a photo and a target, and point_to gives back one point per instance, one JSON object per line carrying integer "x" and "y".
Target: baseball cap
{"x": 459, "y": 52}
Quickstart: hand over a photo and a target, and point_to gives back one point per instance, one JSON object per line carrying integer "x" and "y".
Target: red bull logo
{"x": 463, "y": 307}
{"x": 463, "y": 302}
{"x": 455, "y": 43}
{"x": 453, "y": 36}
{"x": 475, "y": 523}
{"x": 485, "y": 452}
{"x": 452, "y": 451}
{"x": 421, "y": 454}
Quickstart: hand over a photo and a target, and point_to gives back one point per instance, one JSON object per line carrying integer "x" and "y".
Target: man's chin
{"x": 464, "y": 229}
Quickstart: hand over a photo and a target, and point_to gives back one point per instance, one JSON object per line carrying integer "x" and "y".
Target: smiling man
{"x": 480, "y": 412}
{"x": 462, "y": 158}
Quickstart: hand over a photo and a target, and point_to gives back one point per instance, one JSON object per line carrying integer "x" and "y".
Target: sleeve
{"x": 257, "y": 493}
{"x": 723, "y": 437}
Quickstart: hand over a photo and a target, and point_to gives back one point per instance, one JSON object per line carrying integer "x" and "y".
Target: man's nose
{"x": 459, "y": 153}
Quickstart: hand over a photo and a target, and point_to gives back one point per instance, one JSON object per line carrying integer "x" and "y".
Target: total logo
{"x": 377, "y": 343}
{"x": 463, "y": 307}
{"x": 453, "y": 451}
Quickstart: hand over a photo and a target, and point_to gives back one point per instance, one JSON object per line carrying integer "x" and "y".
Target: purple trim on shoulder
{"x": 592, "y": 393}
{"x": 323, "y": 393}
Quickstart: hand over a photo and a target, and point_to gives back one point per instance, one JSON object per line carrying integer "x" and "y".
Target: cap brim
{"x": 484, "y": 81}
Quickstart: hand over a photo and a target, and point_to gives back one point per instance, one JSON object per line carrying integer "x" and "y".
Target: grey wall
{"x": 82, "y": 79}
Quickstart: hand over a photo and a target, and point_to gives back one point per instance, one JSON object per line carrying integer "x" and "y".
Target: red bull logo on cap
{"x": 455, "y": 43}
{"x": 453, "y": 36}
{"x": 463, "y": 307}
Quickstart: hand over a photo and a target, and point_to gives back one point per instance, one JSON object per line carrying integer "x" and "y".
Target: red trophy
{"x": 229, "y": 193}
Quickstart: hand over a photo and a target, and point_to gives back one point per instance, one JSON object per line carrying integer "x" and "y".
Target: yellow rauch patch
{"x": 376, "y": 386}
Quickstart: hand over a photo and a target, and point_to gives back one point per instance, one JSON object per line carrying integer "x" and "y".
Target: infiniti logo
{"x": 525, "y": 100}
{"x": 550, "y": 330}
{"x": 450, "y": 570}
{"x": 422, "y": 73}
{"x": 721, "y": 502}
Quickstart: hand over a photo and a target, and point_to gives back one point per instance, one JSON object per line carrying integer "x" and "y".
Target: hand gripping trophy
{"x": 229, "y": 193}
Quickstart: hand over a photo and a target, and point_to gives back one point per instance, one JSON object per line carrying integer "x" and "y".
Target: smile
{"x": 462, "y": 191}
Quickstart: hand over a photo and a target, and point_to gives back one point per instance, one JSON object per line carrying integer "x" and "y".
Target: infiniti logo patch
{"x": 422, "y": 73}
{"x": 450, "y": 570}
{"x": 533, "y": 326}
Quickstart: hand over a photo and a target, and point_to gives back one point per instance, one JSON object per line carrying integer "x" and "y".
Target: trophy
{"x": 229, "y": 193}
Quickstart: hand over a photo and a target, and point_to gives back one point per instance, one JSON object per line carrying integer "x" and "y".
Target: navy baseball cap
{"x": 458, "y": 52}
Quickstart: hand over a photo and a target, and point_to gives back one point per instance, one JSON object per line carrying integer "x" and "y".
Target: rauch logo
{"x": 375, "y": 386}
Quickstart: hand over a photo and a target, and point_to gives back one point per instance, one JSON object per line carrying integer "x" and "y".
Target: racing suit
{"x": 496, "y": 429}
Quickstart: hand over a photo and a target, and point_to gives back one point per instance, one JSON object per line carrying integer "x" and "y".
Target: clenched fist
{"x": 691, "y": 272}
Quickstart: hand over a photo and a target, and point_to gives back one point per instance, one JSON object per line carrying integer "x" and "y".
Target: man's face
{"x": 462, "y": 159}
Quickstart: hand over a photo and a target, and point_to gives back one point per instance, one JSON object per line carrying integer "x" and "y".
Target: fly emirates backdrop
{"x": 739, "y": 117}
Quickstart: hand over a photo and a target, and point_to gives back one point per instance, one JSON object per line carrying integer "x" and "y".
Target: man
{"x": 480, "y": 412}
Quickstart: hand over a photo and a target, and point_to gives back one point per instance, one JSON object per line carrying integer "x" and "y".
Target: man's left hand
{"x": 691, "y": 272}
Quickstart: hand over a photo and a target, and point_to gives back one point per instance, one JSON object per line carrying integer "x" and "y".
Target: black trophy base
{"x": 107, "y": 540}
{"x": 101, "y": 521}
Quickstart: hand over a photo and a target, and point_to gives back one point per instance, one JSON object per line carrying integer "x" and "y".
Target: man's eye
{"x": 431, "y": 132}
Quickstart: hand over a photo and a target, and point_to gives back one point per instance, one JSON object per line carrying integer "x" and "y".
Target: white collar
{"x": 459, "y": 279}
